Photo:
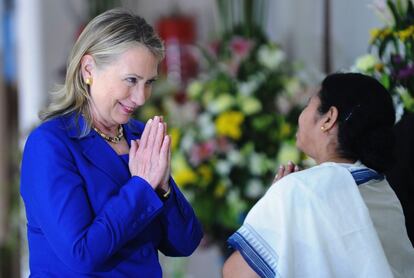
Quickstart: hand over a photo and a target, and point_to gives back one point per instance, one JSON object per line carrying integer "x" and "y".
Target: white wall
{"x": 351, "y": 22}
{"x": 45, "y": 35}
{"x": 298, "y": 26}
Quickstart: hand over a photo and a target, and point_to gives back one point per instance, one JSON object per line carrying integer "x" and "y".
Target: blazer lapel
{"x": 133, "y": 130}
{"x": 98, "y": 152}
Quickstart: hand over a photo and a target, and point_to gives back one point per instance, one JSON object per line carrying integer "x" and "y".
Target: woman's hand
{"x": 285, "y": 170}
{"x": 149, "y": 156}
{"x": 164, "y": 183}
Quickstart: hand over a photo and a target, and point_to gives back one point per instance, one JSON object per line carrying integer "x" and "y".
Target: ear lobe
{"x": 87, "y": 66}
{"x": 330, "y": 118}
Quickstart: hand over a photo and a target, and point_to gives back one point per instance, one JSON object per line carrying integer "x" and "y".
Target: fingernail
{"x": 290, "y": 163}
{"x": 281, "y": 167}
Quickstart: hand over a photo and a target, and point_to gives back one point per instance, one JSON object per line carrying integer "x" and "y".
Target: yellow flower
{"x": 405, "y": 34}
{"x": 206, "y": 174}
{"x": 175, "y": 138}
{"x": 182, "y": 172}
{"x": 220, "y": 190}
{"x": 229, "y": 124}
{"x": 375, "y": 32}
{"x": 379, "y": 67}
{"x": 285, "y": 130}
{"x": 385, "y": 33}
{"x": 185, "y": 176}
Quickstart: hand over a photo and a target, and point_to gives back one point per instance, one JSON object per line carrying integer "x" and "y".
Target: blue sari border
{"x": 255, "y": 251}
{"x": 365, "y": 174}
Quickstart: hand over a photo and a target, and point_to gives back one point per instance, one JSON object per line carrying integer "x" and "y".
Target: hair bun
{"x": 375, "y": 148}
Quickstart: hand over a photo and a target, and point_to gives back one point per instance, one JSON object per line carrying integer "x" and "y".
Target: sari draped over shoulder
{"x": 318, "y": 223}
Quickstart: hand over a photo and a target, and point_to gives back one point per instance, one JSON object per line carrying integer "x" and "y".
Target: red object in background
{"x": 179, "y": 35}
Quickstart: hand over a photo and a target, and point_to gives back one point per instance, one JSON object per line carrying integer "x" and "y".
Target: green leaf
{"x": 394, "y": 12}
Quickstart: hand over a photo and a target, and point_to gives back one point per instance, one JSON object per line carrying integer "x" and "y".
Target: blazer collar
{"x": 98, "y": 151}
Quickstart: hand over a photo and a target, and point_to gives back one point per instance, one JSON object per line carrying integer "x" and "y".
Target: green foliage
{"x": 392, "y": 48}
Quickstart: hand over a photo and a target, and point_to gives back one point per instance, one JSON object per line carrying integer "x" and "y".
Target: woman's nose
{"x": 138, "y": 96}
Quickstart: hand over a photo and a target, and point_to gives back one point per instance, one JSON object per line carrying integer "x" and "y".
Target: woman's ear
{"x": 87, "y": 66}
{"x": 329, "y": 119}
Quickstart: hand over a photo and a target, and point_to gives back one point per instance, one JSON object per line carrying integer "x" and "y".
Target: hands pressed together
{"x": 150, "y": 156}
{"x": 285, "y": 170}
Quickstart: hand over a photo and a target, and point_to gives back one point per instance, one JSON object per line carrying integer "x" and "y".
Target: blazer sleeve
{"x": 56, "y": 201}
{"x": 182, "y": 229}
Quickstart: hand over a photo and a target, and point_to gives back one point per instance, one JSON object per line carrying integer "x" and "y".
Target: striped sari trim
{"x": 256, "y": 252}
{"x": 365, "y": 174}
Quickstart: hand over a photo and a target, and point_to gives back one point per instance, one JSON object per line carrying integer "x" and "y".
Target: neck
{"x": 335, "y": 159}
{"x": 111, "y": 130}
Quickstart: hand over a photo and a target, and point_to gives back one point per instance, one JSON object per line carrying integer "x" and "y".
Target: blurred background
{"x": 230, "y": 66}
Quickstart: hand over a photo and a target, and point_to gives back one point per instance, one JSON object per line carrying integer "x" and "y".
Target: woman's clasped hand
{"x": 150, "y": 156}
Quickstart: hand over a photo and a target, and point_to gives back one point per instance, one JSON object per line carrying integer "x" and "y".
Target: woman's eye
{"x": 150, "y": 82}
{"x": 132, "y": 80}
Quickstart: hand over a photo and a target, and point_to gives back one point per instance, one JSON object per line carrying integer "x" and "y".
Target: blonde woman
{"x": 96, "y": 184}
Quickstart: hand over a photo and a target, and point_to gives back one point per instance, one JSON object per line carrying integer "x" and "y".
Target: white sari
{"x": 320, "y": 223}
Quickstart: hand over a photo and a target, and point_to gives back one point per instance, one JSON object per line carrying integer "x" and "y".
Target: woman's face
{"x": 309, "y": 129}
{"x": 119, "y": 88}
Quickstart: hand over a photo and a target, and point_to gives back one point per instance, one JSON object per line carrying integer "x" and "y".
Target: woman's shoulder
{"x": 315, "y": 179}
{"x": 56, "y": 127}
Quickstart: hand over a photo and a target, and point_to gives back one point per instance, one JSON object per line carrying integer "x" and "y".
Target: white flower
{"x": 220, "y": 104}
{"x": 383, "y": 12}
{"x": 194, "y": 89}
{"x": 365, "y": 63}
{"x": 235, "y": 158}
{"x": 288, "y": 152}
{"x": 249, "y": 105}
{"x": 257, "y": 163}
{"x": 187, "y": 141}
{"x": 206, "y": 124}
{"x": 247, "y": 88}
{"x": 254, "y": 188}
{"x": 223, "y": 167}
{"x": 270, "y": 56}
{"x": 181, "y": 114}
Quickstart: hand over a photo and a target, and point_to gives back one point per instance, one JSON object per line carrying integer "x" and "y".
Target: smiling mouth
{"x": 128, "y": 109}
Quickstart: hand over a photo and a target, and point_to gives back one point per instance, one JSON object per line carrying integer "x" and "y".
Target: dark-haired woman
{"x": 339, "y": 218}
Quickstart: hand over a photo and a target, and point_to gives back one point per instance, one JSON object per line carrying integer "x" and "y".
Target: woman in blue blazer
{"x": 96, "y": 184}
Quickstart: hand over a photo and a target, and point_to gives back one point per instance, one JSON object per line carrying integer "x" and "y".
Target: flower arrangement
{"x": 392, "y": 51}
{"x": 235, "y": 124}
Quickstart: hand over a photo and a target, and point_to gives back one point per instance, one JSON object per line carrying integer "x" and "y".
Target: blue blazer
{"x": 86, "y": 215}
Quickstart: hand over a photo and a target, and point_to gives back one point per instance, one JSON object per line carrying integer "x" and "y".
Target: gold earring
{"x": 89, "y": 81}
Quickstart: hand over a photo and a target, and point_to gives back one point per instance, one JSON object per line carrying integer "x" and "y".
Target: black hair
{"x": 366, "y": 116}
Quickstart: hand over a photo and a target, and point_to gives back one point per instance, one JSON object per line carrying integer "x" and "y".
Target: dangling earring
{"x": 89, "y": 81}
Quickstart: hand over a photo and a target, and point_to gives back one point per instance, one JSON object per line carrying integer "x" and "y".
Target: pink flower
{"x": 201, "y": 152}
{"x": 213, "y": 48}
{"x": 241, "y": 46}
{"x": 223, "y": 144}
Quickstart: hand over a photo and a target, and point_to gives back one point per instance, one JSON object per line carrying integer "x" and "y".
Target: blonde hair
{"x": 104, "y": 38}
